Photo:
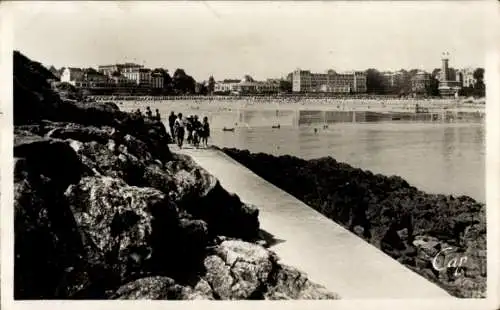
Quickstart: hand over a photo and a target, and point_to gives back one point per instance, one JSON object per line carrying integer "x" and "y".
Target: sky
{"x": 264, "y": 39}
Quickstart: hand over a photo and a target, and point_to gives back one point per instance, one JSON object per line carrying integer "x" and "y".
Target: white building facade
{"x": 332, "y": 82}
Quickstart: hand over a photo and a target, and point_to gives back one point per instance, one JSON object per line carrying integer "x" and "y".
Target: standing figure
{"x": 189, "y": 128}
{"x": 158, "y": 115}
{"x": 149, "y": 113}
{"x": 171, "y": 122}
{"x": 197, "y": 128}
{"x": 179, "y": 130}
{"x": 205, "y": 132}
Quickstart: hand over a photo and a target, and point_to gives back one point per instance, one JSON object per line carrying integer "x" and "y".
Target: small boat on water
{"x": 227, "y": 129}
{"x": 276, "y": 126}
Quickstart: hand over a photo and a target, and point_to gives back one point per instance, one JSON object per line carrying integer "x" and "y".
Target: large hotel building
{"x": 330, "y": 82}
{"x": 109, "y": 78}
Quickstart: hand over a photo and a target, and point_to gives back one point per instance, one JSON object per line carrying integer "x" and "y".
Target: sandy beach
{"x": 374, "y": 105}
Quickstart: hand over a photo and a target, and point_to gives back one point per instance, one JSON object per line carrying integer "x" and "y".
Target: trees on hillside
{"x": 479, "y": 87}
{"x": 374, "y": 82}
{"x": 479, "y": 74}
{"x": 183, "y": 84}
{"x": 285, "y": 86}
{"x": 211, "y": 85}
{"x": 434, "y": 86}
{"x": 201, "y": 88}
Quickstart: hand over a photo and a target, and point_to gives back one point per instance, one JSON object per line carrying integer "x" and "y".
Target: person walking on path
{"x": 171, "y": 122}
{"x": 179, "y": 130}
{"x": 189, "y": 128}
{"x": 149, "y": 113}
{"x": 197, "y": 128}
{"x": 205, "y": 132}
{"x": 158, "y": 115}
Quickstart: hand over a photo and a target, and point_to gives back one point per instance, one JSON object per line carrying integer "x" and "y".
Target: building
{"x": 420, "y": 83}
{"x": 139, "y": 76}
{"x": 157, "y": 80}
{"x": 72, "y": 75}
{"x": 467, "y": 77}
{"x": 226, "y": 86}
{"x": 301, "y": 81}
{"x": 85, "y": 78}
{"x": 119, "y": 80}
{"x": 449, "y": 81}
{"x": 304, "y": 81}
{"x": 270, "y": 86}
{"x": 110, "y": 69}
{"x": 246, "y": 86}
{"x": 392, "y": 79}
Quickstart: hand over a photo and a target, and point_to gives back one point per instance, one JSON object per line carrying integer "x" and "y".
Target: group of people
{"x": 197, "y": 132}
{"x": 149, "y": 114}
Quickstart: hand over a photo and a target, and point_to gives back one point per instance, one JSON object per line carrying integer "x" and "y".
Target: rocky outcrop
{"x": 409, "y": 225}
{"x": 104, "y": 210}
{"x": 241, "y": 270}
{"x": 235, "y": 270}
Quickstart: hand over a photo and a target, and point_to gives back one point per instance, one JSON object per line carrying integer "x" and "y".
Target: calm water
{"x": 438, "y": 157}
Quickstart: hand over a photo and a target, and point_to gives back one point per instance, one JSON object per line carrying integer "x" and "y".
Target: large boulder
{"x": 119, "y": 220}
{"x": 289, "y": 283}
{"x": 160, "y": 288}
{"x": 202, "y": 195}
{"x": 45, "y": 240}
{"x": 54, "y": 159}
{"x": 242, "y": 270}
{"x": 46, "y": 236}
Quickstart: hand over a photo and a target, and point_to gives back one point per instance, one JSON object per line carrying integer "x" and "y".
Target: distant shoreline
{"x": 291, "y": 99}
{"x": 351, "y": 105}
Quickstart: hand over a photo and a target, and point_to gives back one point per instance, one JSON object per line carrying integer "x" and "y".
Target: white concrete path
{"x": 327, "y": 252}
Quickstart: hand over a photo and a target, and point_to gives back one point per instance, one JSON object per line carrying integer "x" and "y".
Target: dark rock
{"x": 159, "y": 288}
{"x": 201, "y": 195}
{"x": 289, "y": 283}
{"x": 145, "y": 288}
{"x": 83, "y": 134}
{"x": 386, "y": 210}
{"x": 46, "y": 236}
{"x": 241, "y": 270}
{"x": 118, "y": 220}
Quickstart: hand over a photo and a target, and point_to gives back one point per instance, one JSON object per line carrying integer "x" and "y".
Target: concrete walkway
{"x": 305, "y": 239}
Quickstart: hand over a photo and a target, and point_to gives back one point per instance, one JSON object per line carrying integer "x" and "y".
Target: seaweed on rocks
{"x": 411, "y": 226}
